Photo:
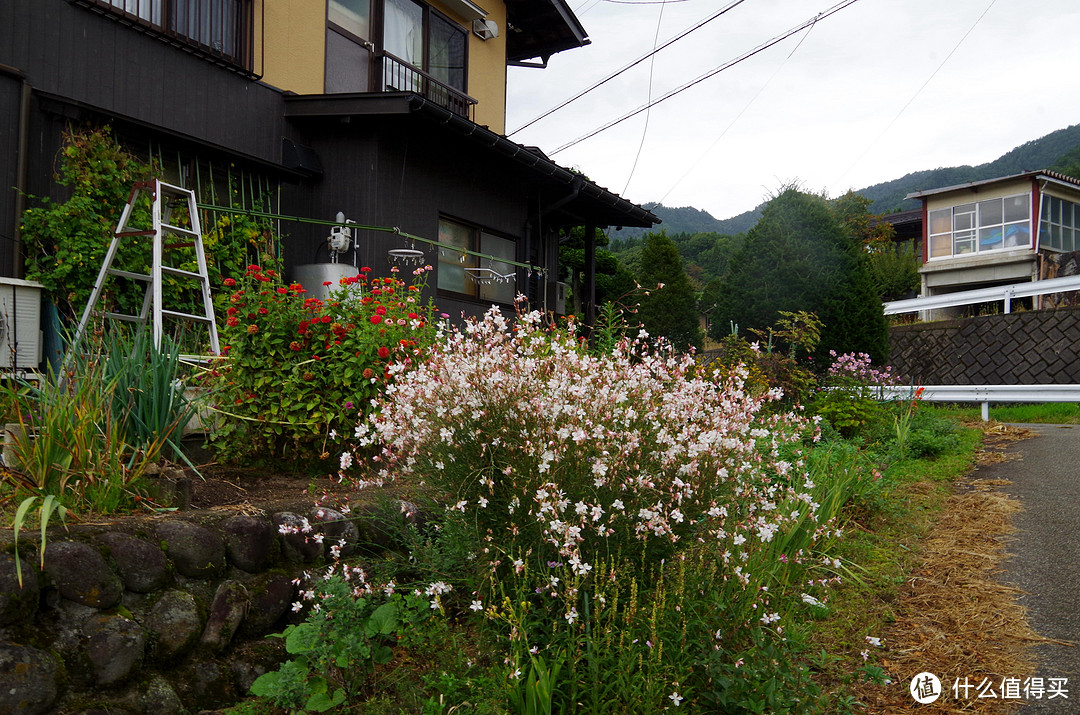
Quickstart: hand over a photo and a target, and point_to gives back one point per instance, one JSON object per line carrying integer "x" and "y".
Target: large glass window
{"x": 210, "y": 23}
{"x": 484, "y": 278}
{"x": 419, "y": 45}
{"x": 1060, "y": 225}
{"x": 403, "y": 31}
{"x": 446, "y": 53}
{"x": 353, "y": 16}
{"x": 987, "y": 225}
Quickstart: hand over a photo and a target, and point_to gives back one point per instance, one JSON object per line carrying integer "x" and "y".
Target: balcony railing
{"x": 219, "y": 30}
{"x": 400, "y": 76}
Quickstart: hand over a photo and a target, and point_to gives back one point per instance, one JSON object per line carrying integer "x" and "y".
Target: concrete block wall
{"x": 1026, "y": 348}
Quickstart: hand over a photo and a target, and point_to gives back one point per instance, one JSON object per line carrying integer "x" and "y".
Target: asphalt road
{"x": 1045, "y": 554}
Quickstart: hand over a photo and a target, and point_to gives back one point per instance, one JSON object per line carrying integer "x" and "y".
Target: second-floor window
{"x": 980, "y": 226}
{"x": 1059, "y": 225}
{"x": 411, "y": 47}
{"x": 218, "y": 27}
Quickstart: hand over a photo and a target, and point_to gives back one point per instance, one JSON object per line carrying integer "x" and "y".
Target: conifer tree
{"x": 671, "y": 311}
{"x": 800, "y": 256}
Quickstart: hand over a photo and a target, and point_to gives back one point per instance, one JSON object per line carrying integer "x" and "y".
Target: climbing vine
{"x": 66, "y": 241}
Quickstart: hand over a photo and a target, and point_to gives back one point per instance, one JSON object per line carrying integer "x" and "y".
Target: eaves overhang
{"x": 541, "y": 28}
{"x": 591, "y": 203}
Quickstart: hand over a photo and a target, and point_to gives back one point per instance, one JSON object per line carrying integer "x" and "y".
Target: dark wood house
{"x": 390, "y": 112}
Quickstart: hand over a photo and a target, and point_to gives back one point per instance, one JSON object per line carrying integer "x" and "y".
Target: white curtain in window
{"x": 403, "y": 31}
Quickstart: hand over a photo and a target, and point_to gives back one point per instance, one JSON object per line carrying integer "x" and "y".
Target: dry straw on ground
{"x": 955, "y": 619}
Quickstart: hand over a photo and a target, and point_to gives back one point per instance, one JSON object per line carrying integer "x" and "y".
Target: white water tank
{"x": 312, "y": 276}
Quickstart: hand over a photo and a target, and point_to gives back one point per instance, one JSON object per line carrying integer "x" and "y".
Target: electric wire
{"x": 645, "y": 129}
{"x": 702, "y": 155}
{"x": 635, "y": 63}
{"x": 727, "y": 65}
{"x": 914, "y": 96}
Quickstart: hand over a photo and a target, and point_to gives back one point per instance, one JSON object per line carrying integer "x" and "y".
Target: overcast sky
{"x": 878, "y": 89}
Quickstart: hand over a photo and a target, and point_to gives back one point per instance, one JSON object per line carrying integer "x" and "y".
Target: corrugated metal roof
{"x": 1041, "y": 174}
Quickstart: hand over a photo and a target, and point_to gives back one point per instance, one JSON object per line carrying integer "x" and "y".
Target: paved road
{"x": 1045, "y": 560}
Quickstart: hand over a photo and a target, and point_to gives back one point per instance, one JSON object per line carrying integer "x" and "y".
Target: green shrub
{"x": 299, "y": 369}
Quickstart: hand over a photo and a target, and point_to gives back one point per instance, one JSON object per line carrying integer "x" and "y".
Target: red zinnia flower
{"x": 384, "y": 352}
{"x": 376, "y": 319}
{"x": 381, "y": 310}
{"x": 229, "y": 282}
{"x": 282, "y": 290}
{"x": 365, "y": 269}
{"x": 232, "y": 322}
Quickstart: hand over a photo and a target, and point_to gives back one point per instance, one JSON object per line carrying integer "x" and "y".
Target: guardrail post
{"x": 1008, "y": 299}
{"x": 985, "y": 411}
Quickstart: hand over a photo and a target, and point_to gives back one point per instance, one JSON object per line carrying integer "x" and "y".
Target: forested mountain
{"x": 1058, "y": 150}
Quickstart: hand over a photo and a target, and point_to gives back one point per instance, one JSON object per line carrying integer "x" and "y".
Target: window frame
{"x": 968, "y": 231}
{"x": 451, "y": 256}
{"x": 1050, "y": 228}
{"x": 164, "y": 18}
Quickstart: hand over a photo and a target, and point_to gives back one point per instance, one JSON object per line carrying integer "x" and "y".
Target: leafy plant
{"x": 49, "y": 505}
{"x": 298, "y": 368}
{"x": 149, "y": 404}
{"x": 617, "y": 513}
{"x": 69, "y": 442}
{"x": 850, "y": 397}
{"x": 339, "y": 644}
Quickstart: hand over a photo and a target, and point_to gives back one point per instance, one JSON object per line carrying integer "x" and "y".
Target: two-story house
{"x": 390, "y": 112}
{"x": 995, "y": 232}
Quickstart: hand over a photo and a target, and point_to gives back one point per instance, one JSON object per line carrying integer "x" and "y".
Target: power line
{"x": 636, "y": 62}
{"x": 701, "y": 157}
{"x": 645, "y": 129}
{"x": 727, "y": 65}
{"x": 917, "y": 93}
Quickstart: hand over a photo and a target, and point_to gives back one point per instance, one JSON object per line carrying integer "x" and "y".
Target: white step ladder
{"x": 162, "y": 196}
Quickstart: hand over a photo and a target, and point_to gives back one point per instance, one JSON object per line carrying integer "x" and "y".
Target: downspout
{"x": 21, "y": 167}
{"x": 1036, "y": 239}
{"x": 541, "y": 212}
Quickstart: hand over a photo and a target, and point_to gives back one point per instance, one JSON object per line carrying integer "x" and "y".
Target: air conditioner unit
{"x": 556, "y": 298}
{"x": 20, "y": 324}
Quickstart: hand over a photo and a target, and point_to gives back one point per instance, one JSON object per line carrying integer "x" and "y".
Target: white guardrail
{"x": 984, "y": 295}
{"x": 985, "y": 394}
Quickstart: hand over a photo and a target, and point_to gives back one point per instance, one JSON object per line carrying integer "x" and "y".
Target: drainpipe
{"x": 1036, "y": 238}
{"x": 21, "y": 167}
{"x": 575, "y": 189}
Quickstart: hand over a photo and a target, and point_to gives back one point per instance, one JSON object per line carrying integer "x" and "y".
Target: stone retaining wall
{"x": 1027, "y": 348}
{"x": 163, "y": 615}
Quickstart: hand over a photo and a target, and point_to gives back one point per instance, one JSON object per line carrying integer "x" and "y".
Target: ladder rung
{"x": 185, "y": 244}
{"x": 181, "y": 272}
{"x": 125, "y": 234}
{"x": 121, "y": 316}
{"x": 172, "y": 188}
{"x": 128, "y": 274}
{"x": 186, "y": 316}
{"x": 177, "y": 229}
